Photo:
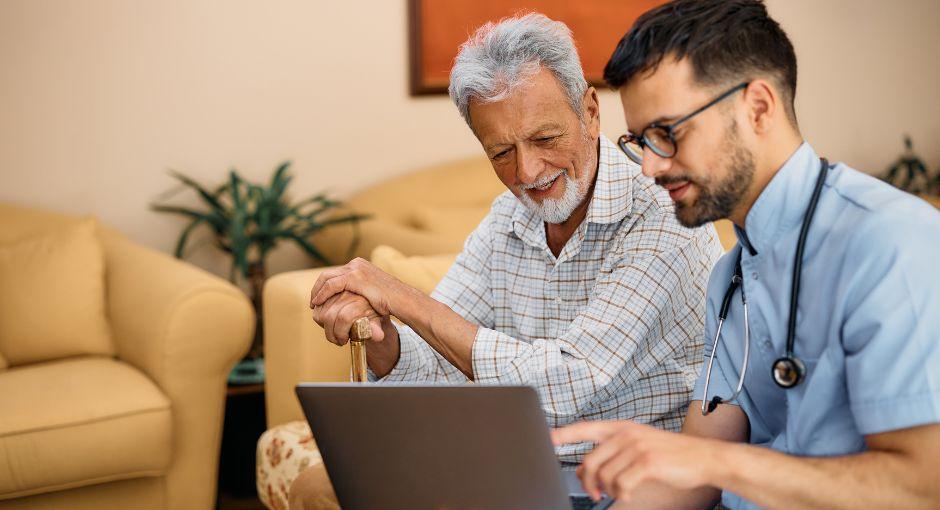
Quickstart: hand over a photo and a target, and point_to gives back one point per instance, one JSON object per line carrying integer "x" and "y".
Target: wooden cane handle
{"x": 361, "y": 331}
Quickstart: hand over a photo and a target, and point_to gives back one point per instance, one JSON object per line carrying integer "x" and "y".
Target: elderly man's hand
{"x": 629, "y": 454}
{"x": 362, "y": 278}
{"x": 340, "y": 311}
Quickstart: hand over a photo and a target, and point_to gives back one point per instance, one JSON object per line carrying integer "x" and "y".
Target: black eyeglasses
{"x": 660, "y": 138}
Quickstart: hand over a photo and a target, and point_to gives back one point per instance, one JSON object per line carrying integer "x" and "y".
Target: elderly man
{"x": 580, "y": 282}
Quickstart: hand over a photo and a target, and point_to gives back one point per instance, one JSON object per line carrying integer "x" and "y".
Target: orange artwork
{"x": 439, "y": 27}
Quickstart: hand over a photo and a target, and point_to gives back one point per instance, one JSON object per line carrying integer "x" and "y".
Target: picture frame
{"x": 437, "y": 28}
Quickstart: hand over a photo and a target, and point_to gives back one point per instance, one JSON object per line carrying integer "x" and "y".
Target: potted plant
{"x": 249, "y": 220}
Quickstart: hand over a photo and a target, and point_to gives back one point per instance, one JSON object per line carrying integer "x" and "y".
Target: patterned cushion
{"x": 283, "y": 452}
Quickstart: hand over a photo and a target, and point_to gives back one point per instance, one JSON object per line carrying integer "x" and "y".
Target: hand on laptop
{"x": 629, "y": 454}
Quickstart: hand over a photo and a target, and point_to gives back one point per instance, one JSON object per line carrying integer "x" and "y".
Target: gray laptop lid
{"x": 434, "y": 447}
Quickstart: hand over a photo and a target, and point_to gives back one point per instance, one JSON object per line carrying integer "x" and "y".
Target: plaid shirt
{"x": 610, "y": 329}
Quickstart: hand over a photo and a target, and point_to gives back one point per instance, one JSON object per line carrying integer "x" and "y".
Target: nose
{"x": 527, "y": 166}
{"x": 654, "y": 165}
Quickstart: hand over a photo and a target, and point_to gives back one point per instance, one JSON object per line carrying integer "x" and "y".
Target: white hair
{"x": 499, "y": 57}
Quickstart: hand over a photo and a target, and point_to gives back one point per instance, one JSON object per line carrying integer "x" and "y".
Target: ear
{"x": 591, "y": 112}
{"x": 763, "y": 106}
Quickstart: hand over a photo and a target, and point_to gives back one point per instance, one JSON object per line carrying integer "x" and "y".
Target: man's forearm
{"x": 653, "y": 496}
{"x": 773, "y": 480}
{"x": 444, "y": 330}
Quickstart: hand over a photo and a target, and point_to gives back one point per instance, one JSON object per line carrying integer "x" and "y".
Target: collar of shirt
{"x": 612, "y": 200}
{"x": 782, "y": 204}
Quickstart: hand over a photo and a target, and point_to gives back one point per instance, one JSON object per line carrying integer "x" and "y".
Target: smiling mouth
{"x": 547, "y": 185}
{"x": 543, "y": 185}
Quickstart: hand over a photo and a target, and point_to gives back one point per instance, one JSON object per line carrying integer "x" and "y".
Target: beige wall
{"x": 98, "y": 98}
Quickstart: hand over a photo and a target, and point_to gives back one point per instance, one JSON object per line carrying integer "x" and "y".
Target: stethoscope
{"x": 789, "y": 370}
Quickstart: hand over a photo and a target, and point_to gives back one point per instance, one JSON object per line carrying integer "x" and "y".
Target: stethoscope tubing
{"x": 737, "y": 279}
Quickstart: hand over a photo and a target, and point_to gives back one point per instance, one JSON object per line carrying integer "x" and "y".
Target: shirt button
{"x": 558, "y": 299}
{"x": 754, "y": 275}
{"x": 767, "y": 344}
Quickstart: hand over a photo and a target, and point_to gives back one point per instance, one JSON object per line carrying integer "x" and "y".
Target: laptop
{"x": 420, "y": 447}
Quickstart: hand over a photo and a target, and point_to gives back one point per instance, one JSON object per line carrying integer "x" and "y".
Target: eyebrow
{"x": 539, "y": 130}
{"x": 658, "y": 120}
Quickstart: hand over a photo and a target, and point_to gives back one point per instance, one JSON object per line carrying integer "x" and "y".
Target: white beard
{"x": 556, "y": 210}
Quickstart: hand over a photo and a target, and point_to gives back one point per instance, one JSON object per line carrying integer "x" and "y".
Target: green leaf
{"x": 218, "y": 223}
{"x": 320, "y": 198}
{"x": 206, "y": 196}
{"x": 190, "y": 213}
{"x": 309, "y": 248}
{"x": 280, "y": 179}
{"x": 181, "y": 244}
{"x": 354, "y": 243}
{"x": 235, "y": 189}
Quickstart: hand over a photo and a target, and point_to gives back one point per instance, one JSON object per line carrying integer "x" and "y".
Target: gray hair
{"x": 499, "y": 57}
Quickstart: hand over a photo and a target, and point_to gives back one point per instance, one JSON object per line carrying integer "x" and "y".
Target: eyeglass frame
{"x": 642, "y": 142}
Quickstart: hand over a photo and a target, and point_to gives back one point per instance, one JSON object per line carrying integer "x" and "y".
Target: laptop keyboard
{"x": 581, "y": 503}
{"x": 586, "y": 503}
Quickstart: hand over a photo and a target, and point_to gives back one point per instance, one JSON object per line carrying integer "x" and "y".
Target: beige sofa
{"x": 138, "y": 425}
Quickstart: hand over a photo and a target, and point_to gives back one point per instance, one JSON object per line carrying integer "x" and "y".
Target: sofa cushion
{"x": 422, "y": 273}
{"x": 77, "y": 422}
{"x": 52, "y": 296}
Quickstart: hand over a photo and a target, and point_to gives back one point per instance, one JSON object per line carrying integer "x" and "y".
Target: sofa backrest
{"x": 464, "y": 183}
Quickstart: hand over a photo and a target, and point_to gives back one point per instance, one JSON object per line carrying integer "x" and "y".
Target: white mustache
{"x": 543, "y": 181}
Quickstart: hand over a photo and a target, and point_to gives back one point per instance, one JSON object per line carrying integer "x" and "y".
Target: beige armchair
{"x": 140, "y": 429}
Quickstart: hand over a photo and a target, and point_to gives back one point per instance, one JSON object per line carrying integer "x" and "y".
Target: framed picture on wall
{"x": 438, "y": 28}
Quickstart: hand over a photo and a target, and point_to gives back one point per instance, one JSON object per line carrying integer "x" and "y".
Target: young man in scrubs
{"x": 847, "y": 415}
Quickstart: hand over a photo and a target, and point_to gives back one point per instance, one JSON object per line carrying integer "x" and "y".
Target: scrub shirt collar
{"x": 782, "y": 204}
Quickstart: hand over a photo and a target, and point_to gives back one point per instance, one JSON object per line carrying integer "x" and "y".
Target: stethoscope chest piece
{"x": 788, "y": 372}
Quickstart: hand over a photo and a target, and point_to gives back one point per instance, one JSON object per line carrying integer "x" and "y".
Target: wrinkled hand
{"x": 359, "y": 277}
{"x": 629, "y": 454}
{"x": 338, "y": 313}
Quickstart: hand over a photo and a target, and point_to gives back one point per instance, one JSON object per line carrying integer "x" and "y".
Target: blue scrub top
{"x": 868, "y": 319}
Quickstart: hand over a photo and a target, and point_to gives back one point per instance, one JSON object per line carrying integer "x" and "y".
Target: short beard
{"x": 557, "y": 210}
{"x": 717, "y": 199}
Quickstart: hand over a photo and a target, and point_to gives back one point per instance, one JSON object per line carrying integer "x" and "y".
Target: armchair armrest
{"x": 185, "y": 329}
{"x": 295, "y": 347}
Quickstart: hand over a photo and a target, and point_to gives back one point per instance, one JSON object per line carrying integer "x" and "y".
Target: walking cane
{"x": 361, "y": 331}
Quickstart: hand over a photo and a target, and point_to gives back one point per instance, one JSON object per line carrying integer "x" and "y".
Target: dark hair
{"x": 724, "y": 40}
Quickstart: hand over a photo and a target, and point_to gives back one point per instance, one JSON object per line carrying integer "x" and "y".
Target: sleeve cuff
{"x": 410, "y": 359}
{"x": 895, "y": 414}
{"x": 492, "y": 353}
{"x": 717, "y": 385}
